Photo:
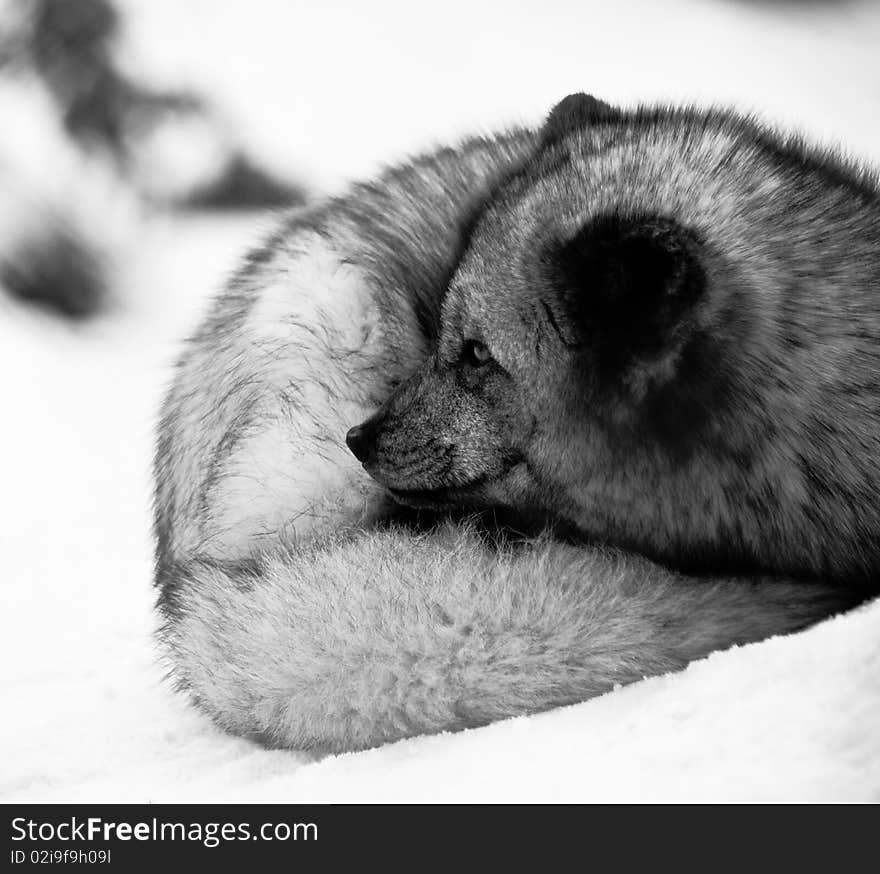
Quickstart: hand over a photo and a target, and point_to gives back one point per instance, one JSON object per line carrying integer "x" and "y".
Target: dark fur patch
{"x": 680, "y": 414}
{"x": 627, "y": 283}
{"x": 575, "y": 112}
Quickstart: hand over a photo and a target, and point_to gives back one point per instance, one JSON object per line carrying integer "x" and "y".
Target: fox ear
{"x": 573, "y": 113}
{"x": 630, "y": 286}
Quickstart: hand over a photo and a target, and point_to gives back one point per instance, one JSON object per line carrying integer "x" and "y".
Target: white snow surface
{"x": 330, "y": 91}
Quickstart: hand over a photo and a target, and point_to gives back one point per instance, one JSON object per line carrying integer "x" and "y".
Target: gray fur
{"x": 366, "y": 638}
{"x": 749, "y": 436}
{"x": 292, "y": 612}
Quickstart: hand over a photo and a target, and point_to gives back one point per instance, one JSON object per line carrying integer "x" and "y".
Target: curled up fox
{"x": 521, "y": 420}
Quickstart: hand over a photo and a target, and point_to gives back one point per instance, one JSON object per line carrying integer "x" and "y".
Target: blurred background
{"x": 145, "y": 144}
{"x": 120, "y": 114}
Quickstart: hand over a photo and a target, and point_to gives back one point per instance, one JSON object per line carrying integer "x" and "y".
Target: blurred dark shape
{"x": 245, "y": 186}
{"x": 56, "y": 270}
{"x": 70, "y": 47}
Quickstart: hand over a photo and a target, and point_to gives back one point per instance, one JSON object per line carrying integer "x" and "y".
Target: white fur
{"x": 366, "y": 638}
{"x": 310, "y": 331}
{"x": 295, "y": 471}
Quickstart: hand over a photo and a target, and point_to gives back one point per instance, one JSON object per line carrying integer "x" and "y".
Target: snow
{"x": 330, "y": 96}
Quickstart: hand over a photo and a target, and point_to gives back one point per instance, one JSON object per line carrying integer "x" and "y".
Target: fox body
{"x": 657, "y": 329}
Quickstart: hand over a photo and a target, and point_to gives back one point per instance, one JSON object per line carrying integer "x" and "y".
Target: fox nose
{"x": 360, "y": 441}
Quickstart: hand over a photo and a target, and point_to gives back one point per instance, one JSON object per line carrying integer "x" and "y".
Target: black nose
{"x": 360, "y": 441}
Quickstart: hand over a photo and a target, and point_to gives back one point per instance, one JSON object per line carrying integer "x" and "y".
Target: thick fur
{"x": 293, "y": 611}
{"x": 364, "y": 638}
{"x": 666, "y": 330}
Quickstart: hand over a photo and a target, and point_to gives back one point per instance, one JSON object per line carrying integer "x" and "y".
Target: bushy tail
{"x": 375, "y": 636}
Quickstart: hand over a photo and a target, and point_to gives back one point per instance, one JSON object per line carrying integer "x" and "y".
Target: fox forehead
{"x": 504, "y": 293}
{"x": 513, "y": 317}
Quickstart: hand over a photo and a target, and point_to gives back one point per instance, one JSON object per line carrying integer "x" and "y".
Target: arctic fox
{"x": 654, "y": 330}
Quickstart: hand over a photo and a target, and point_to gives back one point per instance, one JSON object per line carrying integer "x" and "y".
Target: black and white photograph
{"x": 446, "y": 403}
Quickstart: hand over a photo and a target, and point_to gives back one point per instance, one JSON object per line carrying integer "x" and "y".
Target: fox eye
{"x": 475, "y": 354}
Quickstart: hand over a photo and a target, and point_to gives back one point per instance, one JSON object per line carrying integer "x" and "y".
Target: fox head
{"x": 566, "y": 334}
